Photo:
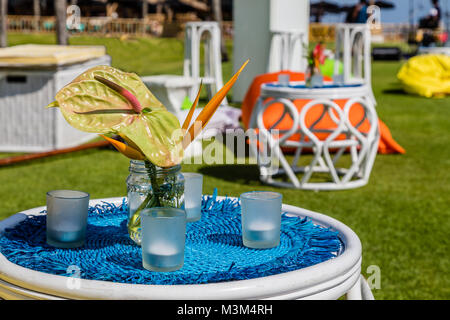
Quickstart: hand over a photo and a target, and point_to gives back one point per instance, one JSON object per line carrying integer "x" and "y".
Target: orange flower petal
{"x": 211, "y": 107}
{"x": 125, "y": 150}
{"x": 187, "y": 121}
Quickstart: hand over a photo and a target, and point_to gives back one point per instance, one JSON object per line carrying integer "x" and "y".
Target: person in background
{"x": 432, "y": 20}
{"x": 435, "y": 13}
{"x": 360, "y": 12}
{"x": 429, "y": 24}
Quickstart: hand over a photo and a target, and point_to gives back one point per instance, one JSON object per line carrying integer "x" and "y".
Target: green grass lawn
{"x": 401, "y": 216}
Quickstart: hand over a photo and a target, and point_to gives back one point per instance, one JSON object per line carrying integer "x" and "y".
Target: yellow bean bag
{"x": 426, "y": 75}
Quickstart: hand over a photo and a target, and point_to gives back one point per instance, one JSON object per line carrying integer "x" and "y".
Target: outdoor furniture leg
{"x": 324, "y": 146}
{"x": 298, "y": 153}
{"x": 355, "y": 292}
{"x": 275, "y": 144}
{"x": 360, "y": 291}
{"x": 365, "y": 290}
{"x": 365, "y": 141}
{"x": 309, "y": 169}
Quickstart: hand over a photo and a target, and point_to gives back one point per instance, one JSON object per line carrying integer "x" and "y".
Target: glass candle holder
{"x": 283, "y": 79}
{"x": 261, "y": 219}
{"x": 316, "y": 81}
{"x": 338, "y": 79}
{"x": 67, "y": 212}
{"x": 193, "y": 191}
{"x": 163, "y": 238}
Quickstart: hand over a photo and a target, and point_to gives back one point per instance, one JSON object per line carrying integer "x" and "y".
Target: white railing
{"x": 153, "y": 25}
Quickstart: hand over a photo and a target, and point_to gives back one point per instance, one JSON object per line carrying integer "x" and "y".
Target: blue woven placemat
{"x": 214, "y": 251}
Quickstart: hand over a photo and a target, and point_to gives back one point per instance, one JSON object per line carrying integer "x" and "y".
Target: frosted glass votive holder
{"x": 67, "y": 212}
{"x": 261, "y": 219}
{"x": 338, "y": 79}
{"x": 317, "y": 81}
{"x": 163, "y": 238}
{"x": 193, "y": 191}
{"x": 283, "y": 79}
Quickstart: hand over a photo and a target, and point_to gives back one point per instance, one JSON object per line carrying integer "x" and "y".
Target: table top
{"x": 298, "y": 90}
{"x": 170, "y": 81}
{"x": 38, "y": 55}
{"x": 297, "y": 283}
{"x": 435, "y": 50}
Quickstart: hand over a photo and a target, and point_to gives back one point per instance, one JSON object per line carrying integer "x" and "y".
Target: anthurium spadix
{"x": 106, "y": 100}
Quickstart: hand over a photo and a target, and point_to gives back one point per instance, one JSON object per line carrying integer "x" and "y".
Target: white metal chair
{"x": 353, "y": 45}
{"x": 287, "y": 51}
{"x": 212, "y": 77}
{"x": 172, "y": 89}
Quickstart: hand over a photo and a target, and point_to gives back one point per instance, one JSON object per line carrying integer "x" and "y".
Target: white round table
{"x": 327, "y": 152}
{"x": 327, "y": 280}
{"x": 435, "y": 50}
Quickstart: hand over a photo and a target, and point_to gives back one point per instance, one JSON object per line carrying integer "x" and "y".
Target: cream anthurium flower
{"x": 106, "y": 100}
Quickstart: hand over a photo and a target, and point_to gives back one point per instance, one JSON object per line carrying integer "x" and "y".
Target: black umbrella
{"x": 380, "y": 4}
{"x": 318, "y": 9}
{"x": 384, "y": 5}
{"x": 325, "y": 6}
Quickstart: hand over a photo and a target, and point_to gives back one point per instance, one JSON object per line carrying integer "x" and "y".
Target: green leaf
{"x": 54, "y": 104}
{"x": 80, "y": 100}
{"x": 186, "y": 104}
{"x": 158, "y": 135}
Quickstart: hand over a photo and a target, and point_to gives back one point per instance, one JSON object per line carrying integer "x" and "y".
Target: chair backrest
{"x": 193, "y": 35}
{"x": 353, "y": 50}
{"x": 287, "y": 51}
{"x": 212, "y": 72}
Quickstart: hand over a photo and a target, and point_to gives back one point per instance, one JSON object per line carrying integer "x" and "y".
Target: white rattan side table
{"x": 327, "y": 280}
{"x": 326, "y": 153}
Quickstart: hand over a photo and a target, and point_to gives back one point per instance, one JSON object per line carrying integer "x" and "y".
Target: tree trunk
{"x": 159, "y": 8}
{"x": 144, "y": 8}
{"x": 217, "y": 12}
{"x": 61, "y": 16}
{"x": 36, "y": 8}
{"x": 144, "y": 15}
{"x": 3, "y": 27}
{"x": 169, "y": 12}
{"x": 36, "y": 13}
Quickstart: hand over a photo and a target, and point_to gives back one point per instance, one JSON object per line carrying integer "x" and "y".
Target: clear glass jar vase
{"x": 150, "y": 186}
{"x": 314, "y": 77}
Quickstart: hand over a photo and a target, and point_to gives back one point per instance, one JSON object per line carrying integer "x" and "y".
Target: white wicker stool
{"x": 363, "y": 146}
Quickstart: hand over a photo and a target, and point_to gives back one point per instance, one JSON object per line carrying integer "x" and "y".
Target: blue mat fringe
{"x": 214, "y": 251}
